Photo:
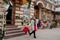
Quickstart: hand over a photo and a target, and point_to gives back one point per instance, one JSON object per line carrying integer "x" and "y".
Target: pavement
{"x": 41, "y": 34}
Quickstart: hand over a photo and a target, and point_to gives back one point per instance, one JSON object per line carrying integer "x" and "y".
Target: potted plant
{"x": 53, "y": 24}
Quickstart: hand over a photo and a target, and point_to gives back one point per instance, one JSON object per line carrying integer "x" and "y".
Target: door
{"x": 10, "y": 14}
{"x": 36, "y": 13}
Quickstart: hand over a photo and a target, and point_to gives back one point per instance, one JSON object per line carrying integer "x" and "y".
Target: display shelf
{"x": 17, "y": 8}
{"x": 18, "y": 12}
{"x": 18, "y": 24}
{"x": 18, "y": 20}
{"x": 17, "y": 1}
{"x": 17, "y": 5}
{"x": 19, "y": 17}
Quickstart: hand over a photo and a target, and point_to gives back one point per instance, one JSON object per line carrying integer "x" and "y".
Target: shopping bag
{"x": 25, "y": 29}
{"x": 35, "y": 27}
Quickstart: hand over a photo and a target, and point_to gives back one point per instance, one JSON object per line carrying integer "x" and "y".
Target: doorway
{"x": 9, "y": 15}
{"x": 36, "y": 13}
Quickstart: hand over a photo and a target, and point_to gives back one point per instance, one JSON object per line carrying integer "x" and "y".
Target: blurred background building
{"x": 18, "y": 11}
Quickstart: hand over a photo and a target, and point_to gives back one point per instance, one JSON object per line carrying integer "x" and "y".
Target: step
{"x": 10, "y": 29}
{"x": 9, "y": 26}
{"x": 14, "y": 35}
{"x": 13, "y": 31}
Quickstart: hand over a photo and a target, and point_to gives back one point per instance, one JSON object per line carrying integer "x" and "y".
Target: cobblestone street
{"x": 42, "y": 34}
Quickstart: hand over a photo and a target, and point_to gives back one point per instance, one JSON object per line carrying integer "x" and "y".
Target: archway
{"x": 40, "y": 4}
{"x": 36, "y": 13}
{"x": 38, "y": 8}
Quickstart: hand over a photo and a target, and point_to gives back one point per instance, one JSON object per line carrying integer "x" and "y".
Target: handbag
{"x": 25, "y": 29}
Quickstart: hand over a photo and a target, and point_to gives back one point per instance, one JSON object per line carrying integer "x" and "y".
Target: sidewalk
{"x": 44, "y": 34}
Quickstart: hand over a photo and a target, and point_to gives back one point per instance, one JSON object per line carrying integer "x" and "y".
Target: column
{"x": 40, "y": 13}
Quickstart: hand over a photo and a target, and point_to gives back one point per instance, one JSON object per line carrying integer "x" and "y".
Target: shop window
{"x": 43, "y": 15}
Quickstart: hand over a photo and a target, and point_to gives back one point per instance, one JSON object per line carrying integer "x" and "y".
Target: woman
{"x": 32, "y": 24}
{"x": 39, "y": 24}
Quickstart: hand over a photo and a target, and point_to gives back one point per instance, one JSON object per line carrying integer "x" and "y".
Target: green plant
{"x": 54, "y": 24}
{"x": 29, "y": 1}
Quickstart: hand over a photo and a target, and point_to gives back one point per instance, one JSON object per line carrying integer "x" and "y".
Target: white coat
{"x": 36, "y": 22}
{"x": 31, "y": 25}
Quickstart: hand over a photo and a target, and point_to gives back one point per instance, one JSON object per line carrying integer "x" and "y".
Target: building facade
{"x": 46, "y": 11}
{"x": 42, "y": 9}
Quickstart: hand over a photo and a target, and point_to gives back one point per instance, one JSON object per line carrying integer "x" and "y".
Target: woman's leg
{"x": 29, "y": 32}
{"x": 34, "y": 34}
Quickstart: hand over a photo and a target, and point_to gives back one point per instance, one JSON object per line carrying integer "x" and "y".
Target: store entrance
{"x": 36, "y": 13}
{"x": 9, "y": 15}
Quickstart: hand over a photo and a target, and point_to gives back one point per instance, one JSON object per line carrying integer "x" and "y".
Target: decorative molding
{"x": 39, "y": 2}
